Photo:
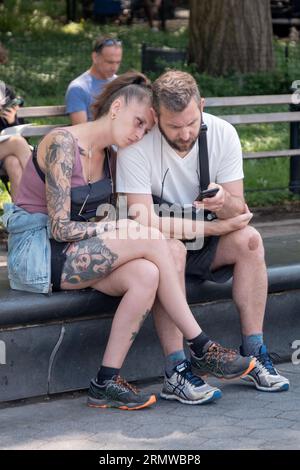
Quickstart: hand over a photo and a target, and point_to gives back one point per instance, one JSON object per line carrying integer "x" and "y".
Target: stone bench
{"x": 53, "y": 344}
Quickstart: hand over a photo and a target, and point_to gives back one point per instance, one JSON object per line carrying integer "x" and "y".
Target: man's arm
{"x": 76, "y": 105}
{"x": 78, "y": 117}
{"x": 141, "y": 209}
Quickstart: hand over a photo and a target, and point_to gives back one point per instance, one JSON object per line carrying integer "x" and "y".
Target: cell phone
{"x": 207, "y": 193}
{"x": 18, "y": 101}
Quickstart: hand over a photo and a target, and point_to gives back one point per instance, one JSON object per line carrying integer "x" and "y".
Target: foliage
{"x": 46, "y": 54}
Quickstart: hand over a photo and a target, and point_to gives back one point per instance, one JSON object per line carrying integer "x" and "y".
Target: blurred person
{"x": 82, "y": 91}
{"x": 14, "y": 151}
{"x": 149, "y": 6}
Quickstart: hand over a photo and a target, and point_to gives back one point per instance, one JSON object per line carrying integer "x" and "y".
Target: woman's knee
{"x": 178, "y": 251}
{"x": 143, "y": 273}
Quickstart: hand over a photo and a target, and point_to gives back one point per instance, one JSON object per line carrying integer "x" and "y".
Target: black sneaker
{"x": 221, "y": 362}
{"x": 117, "y": 393}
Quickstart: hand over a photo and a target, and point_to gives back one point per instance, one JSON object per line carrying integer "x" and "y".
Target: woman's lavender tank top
{"x": 31, "y": 194}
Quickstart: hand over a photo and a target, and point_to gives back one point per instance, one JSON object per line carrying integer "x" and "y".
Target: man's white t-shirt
{"x": 141, "y": 167}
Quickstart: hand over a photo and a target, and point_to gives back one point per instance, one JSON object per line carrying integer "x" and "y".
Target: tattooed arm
{"x": 59, "y": 160}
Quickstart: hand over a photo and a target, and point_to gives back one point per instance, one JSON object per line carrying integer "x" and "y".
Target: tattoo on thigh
{"x": 135, "y": 333}
{"x": 88, "y": 260}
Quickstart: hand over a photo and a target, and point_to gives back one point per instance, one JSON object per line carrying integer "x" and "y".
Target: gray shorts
{"x": 198, "y": 263}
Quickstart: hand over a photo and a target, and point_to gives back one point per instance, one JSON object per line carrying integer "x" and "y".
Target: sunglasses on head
{"x": 107, "y": 42}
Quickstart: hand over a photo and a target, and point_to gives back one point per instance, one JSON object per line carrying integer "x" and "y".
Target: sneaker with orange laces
{"x": 117, "y": 393}
{"x": 221, "y": 362}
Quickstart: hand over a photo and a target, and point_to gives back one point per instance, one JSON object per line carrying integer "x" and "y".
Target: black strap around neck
{"x": 203, "y": 158}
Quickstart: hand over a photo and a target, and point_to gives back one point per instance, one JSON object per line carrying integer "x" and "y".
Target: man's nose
{"x": 184, "y": 134}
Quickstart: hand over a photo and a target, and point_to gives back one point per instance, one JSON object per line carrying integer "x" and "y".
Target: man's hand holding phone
{"x": 212, "y": 198}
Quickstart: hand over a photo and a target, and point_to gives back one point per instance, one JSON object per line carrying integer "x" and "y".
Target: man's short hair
{"x": 174, "y": 90}
{"x": 103, "y": 41}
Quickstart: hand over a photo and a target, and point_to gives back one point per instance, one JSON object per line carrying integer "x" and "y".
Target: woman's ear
{"x": 115, "y": 107}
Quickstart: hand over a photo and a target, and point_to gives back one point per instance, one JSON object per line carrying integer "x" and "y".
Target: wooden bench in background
{"x": 30, "y": 114}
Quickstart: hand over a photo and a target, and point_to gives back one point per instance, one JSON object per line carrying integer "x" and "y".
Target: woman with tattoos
{"x": 57, "y": 246}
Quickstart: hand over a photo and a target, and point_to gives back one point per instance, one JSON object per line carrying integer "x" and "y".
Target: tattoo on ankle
{"x": 135, "y": 333}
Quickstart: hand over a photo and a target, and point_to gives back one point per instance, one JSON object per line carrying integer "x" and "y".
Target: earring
{"x": 113, "y": 116}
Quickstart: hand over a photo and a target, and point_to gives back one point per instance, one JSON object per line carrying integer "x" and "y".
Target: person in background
{"x": 14, "y": 151}
{"x": 82, "y": 91}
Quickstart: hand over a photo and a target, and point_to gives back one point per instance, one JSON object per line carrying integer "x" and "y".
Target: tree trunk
{"x": 231, "y": 36}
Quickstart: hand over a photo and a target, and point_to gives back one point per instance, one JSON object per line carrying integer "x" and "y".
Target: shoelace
{"x": 265, "y": 360}
{"x": 188, "y": 375}
{"x": 126, "y": 385}
{"x": 217, "y": 352}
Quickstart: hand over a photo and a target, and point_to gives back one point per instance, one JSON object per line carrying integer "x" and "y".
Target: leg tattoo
{"x": 134, "y": 333}
{"x": 88, "y": 260}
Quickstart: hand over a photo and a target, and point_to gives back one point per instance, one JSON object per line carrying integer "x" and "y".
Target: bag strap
{"x": 203, "y": 158}
{"x": 36, "y": 165}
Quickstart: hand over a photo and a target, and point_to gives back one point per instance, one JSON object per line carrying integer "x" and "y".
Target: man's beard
{"x": 184, "y": 147}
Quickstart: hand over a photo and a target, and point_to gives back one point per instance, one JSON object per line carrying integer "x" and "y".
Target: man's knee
{"x": 248, "y": 241}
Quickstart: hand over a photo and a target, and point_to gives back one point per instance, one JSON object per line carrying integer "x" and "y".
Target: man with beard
{"x": 166, "y": 166}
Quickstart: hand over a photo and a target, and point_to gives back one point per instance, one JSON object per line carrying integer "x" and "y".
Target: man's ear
{"x": 154, "y": 115}
{"x": 202, "y": 104}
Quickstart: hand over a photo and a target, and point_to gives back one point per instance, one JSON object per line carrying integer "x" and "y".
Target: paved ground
{"x": 244, "y": 418}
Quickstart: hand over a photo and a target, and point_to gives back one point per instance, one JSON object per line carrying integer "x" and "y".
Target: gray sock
{"x": 251, "y": 344}
{"x": 172, "y": 360}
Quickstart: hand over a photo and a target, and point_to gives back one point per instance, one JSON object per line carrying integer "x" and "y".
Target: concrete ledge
{"x": 55, "y": 344}
{"x": 63, "y": 356}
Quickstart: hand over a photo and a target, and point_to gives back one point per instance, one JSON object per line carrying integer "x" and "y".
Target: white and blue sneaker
{"x": 188, "y": 388}
{"x": 264, "y": 375}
